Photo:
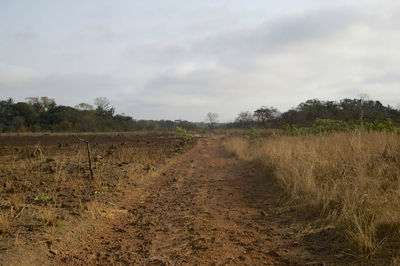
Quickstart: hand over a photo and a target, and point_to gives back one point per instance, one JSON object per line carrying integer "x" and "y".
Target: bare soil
{"x": 205, "y": 207}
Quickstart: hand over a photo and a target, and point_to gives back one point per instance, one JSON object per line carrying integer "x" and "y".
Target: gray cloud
{"x": 282, "y": 62}
{"x": 206, "y": 57}
{"x": 25, "y": 35}
{"x": 279, "y": 34}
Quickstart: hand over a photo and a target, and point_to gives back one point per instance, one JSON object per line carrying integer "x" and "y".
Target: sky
{"x": 174, "y": 59}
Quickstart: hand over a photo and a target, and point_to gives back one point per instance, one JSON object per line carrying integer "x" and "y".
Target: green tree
{"x": 244, "y": 119}
{"x": 265, "y": 114}
{"x": 41, "y": 104}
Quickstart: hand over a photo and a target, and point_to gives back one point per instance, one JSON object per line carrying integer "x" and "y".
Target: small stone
{"x": 53, "y": 251}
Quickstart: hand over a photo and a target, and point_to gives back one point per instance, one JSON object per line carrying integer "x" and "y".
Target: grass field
{"x": 347, "y": 181}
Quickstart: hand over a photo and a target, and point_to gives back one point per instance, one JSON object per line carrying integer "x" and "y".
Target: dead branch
{"x": 89, "y": 154}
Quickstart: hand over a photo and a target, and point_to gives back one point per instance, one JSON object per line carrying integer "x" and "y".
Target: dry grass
{"x": 49, "y": 218}
{"x": 4, "y": 223}
{"x": 349, "y": 180}
{"x": 44, "y": 178}
{"x": 16, "y": 201}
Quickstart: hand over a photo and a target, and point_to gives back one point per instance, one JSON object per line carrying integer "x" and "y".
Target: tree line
{"x": 304, "y": 115}
{"x": 39, "y": 114}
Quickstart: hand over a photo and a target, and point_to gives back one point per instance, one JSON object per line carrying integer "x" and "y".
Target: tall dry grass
{"x": 349, "y": 180}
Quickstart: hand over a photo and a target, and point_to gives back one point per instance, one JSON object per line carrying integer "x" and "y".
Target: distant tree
{"x": 184, "y": 124}
{"x": 6, "y": 113}
{"x": 102, "y": 102}
{"x": 41, "y": 104}
{"x": 104, "y": 108}
{"x": 86, "y": 122}
{"x": 123, "y": 122}
{"x": 167, "y": 124}
{"x": 244, "y": 119}
{"x": 18, "y": 124}
{"x": 64, "y": 126}
{"x": 84, "y": 107}
{"x": 26, "y": 111}
{"x": 265, "y": 114}
{"x": 211, "y": 119}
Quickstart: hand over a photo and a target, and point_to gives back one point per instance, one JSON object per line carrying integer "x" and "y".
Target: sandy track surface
{"x": 207, "y": 208}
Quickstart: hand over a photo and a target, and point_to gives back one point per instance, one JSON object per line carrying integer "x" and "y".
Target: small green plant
{"x": 182, "y": 134}
{"x": 291, "y": 130}
{"x": 101, "y": 191}
{"x": 275, "y": 135}
{"x": 42, "y": 197}
{"x": 252, "y": 134}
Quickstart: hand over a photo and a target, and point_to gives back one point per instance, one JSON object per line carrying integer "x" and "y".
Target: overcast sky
{"x": 174, "y": 59}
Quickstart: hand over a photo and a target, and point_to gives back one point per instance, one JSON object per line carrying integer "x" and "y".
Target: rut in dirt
{"x": 206, "y": 208}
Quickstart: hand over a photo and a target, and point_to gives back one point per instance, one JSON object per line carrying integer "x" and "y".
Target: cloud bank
{"x": 223, "y": 60}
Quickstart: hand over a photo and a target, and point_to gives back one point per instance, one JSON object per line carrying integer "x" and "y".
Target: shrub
{"x": 182, "y": 134}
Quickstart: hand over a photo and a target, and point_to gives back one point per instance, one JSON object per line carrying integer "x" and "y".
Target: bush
{"x": 328, "y": 126}
{"x": 182, "y": 134}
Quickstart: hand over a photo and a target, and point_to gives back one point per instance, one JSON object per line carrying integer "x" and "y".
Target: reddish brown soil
{"x": 207, "y": 208}
{"x": 204, "y": 207}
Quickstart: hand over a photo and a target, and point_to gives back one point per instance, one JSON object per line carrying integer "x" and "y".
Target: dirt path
{"x": 205, "y": 208}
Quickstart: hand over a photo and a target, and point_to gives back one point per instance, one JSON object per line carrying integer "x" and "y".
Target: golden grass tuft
{"x": 4, "y": 223}
{"x": 49, "y": 218}
{"x": 351, "y": 180}
{"x": 16, "y": 201}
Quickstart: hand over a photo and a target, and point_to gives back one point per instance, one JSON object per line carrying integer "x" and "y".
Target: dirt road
{"x": 207, "y": 208}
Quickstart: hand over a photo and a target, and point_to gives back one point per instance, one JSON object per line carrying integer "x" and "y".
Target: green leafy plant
{"x": 101, "y": 191}
{"x": 182, "y": 134}
{"x": 253, "y": 133}
{"x": 328, "y": 126}
{"x": 275, "y": 135}
{"x": 42, "y": 197}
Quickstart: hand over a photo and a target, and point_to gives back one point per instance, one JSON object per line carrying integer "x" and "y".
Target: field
{"x": 345, "y": 183}
{"x": 46, "y": 183}
{"x": 226, "y": 197}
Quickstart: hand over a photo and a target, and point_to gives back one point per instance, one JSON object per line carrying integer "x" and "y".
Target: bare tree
{"x": 102, "y": 103}
{"x": 211, "y": 119}
{"x": 104, "y": 108}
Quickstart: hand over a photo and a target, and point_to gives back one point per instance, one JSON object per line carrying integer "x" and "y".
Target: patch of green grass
{"x": 42, "y": 197}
